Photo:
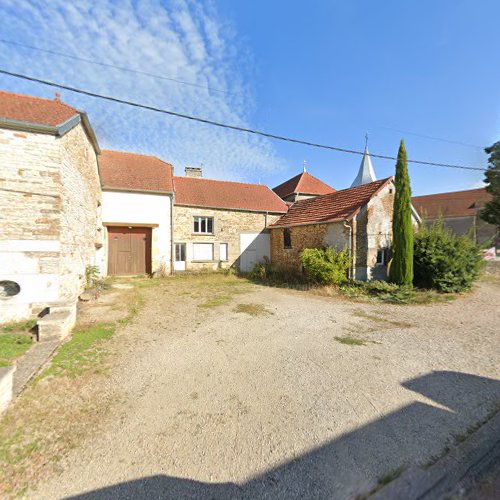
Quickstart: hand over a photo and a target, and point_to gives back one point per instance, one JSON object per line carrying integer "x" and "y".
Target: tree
{"x": 491, "y": 211}
{"x": 401, "y": 271}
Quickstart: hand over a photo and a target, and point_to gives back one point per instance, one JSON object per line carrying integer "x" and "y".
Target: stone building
{"x": 357, "y": 218}
{"x": 301, "y": 187}
{"x": 49, "y": 206}
{"x": 137, "y": 199}
{"x": 459, "y": 210}
{"x": 219, "y": 224}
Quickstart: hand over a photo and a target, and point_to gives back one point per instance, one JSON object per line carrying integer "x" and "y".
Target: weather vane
{"x": 366, "y": 140}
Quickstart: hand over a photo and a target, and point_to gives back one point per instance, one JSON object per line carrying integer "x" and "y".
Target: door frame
{"x": 178, "y": 263}
{"x": 148, "y": 231}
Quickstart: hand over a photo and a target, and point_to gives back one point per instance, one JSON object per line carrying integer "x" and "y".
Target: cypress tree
{"x": 402, "y": 230}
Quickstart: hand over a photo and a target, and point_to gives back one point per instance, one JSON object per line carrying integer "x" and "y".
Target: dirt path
{"x": 216, "y": 403}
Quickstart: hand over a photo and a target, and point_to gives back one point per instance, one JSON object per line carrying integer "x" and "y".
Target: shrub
{"x": 271, "y": 273}
{"x": 445, "y": 261}
{"x": 325, "y": 266}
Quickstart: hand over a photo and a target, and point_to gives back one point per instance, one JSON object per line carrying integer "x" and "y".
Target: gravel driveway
{"x": 268, "y": 403}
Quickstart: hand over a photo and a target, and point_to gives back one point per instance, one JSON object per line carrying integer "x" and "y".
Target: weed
{"x": 391, "y": 476}
{"x": 348, "y": 340}
{"x": 252, "y": 309}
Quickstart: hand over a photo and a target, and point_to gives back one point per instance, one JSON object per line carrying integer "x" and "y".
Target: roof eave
{"x": 137, "y": 191}
{"x": 25, "y": 126}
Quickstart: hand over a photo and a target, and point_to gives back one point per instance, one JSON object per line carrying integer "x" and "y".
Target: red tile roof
{"x": 201, "y": 192}
{"x": 32, "y": 109}
{"x": 303, "y": 183}
{"x": 331, "y": 207}
{"x": 454, "y": 204}
{"x": 135, "y": 172}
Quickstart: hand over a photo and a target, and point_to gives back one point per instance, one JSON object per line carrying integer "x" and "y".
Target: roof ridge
{"x": 17, "y": 94}
{"x": 451, "y": 192}
{"x": 137, "y": 154}
{"x": 217, "y": 180}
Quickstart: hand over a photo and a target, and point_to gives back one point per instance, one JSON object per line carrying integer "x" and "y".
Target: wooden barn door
{"x": 129, "y": 250}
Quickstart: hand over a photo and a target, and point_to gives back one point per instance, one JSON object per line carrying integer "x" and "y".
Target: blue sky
{"x": 325, "y": 71}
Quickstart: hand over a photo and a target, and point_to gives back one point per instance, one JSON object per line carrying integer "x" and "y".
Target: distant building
{"x": 459, "y": 211}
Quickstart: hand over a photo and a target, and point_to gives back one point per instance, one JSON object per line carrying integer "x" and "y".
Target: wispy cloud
{"x": 179, "y": 39}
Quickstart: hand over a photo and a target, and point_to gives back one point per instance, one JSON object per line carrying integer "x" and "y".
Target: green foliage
{"x": 445, "y": 261}
{"x": 19, "y": 326}
{"x": 401, "y": 270}
{"x": 326, "y": 266}
{"x": 12, "y": 345}
{"x": 491, "y": 211}
{"x": 91, "y": 276}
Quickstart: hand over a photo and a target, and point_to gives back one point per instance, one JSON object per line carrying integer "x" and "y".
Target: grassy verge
{"x": 65, "y": 402}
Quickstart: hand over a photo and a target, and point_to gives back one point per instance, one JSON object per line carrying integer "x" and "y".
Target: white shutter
{"x": 203, "y": 251}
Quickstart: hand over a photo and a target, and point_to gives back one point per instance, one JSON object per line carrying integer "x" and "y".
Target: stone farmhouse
{"x": 67, "y": 206}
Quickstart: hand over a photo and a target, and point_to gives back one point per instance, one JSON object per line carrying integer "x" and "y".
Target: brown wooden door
{"x": 129, "y": 250}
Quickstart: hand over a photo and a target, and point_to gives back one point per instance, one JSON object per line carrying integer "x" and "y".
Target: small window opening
{"x": 287, "y": 238}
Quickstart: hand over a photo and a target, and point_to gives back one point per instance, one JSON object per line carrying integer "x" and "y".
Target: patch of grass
{"x": 379, "y": 318}
{"x": 19, "y": 327}
{"x": 216, "y": 301}
{"x": 252, "y": 309}
{"x": 81, "y": 352}
{"x": 348, "y": 340}
{"x": 391, "y": 476}
{"x": 13, "y": 345}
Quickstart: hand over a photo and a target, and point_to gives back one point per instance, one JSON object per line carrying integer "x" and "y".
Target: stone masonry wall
{"x": 81, "y": 225}
{"x": 228, "y": 225}
{"x": 30, "y": 220}
{"x": 48, "y": 210}
{"x": 334, "y": 235}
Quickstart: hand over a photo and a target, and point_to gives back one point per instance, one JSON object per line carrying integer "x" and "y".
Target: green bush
{"x": 445, "y": 261}
{"x": 325, "y": 266}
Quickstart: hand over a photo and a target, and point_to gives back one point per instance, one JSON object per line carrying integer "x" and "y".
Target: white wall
{"x": 121, "y": 208}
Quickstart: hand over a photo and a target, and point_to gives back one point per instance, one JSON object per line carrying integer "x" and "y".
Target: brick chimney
{"x": 57, "y": 97}
{"x": 193, "y": 172}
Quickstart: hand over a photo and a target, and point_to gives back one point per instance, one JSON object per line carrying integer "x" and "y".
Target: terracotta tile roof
{"x": 303, "y": 183}
{"x": 135, "y": 172}
{"x": 331, "y": 207}
{"x": 32, "y": 109}
{"x": 454, "y": 204}
{"x": 201, "y": 192}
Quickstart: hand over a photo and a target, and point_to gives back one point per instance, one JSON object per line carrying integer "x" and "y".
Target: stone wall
{"x": 228, "y": 225}
{"x": 44, "y": 202}
{"x": 81, "y": 225}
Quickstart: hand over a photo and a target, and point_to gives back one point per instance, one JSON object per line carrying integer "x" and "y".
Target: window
{"x": 287, "y": 238}
{"x": 382, "y": 257}
{"x": 180, "y": 252}
{"x": 203, "y": 251}
{"x": 223, "y": 251}
{"x": 203, "y": 225}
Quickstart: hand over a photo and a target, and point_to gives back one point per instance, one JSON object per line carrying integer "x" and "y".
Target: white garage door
{"x": 253, "y": 248}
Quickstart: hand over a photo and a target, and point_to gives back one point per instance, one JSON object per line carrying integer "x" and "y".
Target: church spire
{"x": 366, "y": 173}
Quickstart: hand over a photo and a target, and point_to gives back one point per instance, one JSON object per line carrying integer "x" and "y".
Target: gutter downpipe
{"x": 346, "y": 224}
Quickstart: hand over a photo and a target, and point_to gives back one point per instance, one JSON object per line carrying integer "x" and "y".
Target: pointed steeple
{"x": 366, "y": 174}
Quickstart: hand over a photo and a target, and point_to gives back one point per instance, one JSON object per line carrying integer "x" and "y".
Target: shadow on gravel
{"x": 352, "y": 463}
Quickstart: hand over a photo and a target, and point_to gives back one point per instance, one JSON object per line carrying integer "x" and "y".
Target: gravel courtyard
{"x": 226, "y": 389}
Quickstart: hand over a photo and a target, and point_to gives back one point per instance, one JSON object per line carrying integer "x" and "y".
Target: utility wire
{"x": 108, "y": 65}
{"x": 450, "y": 141}
{"x": 224, "y": 125}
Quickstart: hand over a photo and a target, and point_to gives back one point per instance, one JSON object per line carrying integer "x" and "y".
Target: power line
{"x": 108, "y": 65}
{"x": 224, "y": 125}
{"x": 450, "y": 141}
